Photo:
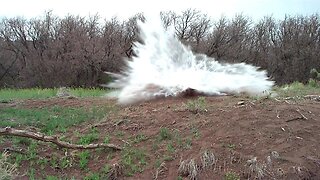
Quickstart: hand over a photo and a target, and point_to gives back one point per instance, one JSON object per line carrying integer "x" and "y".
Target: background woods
{"x": 50, "y": 51}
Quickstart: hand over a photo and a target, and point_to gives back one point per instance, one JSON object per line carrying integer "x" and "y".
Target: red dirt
{"x": 234, "y": 129}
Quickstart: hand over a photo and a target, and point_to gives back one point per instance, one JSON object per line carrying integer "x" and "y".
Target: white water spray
{"x": 165, "y": 67}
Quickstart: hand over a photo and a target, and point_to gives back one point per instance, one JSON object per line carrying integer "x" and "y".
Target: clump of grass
{"x": 164, "y": 134}
{"x": 89, "y": 138}
{"x": 231, "y": 176}
{"x": 84, "y": 159}
{"x": 197, "y": 105}
{"x": 133, "y": 160}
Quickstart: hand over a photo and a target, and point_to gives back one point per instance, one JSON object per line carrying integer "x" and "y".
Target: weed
{"x": 106, "y": 169}
{"x": 231, "y": 176}
{"x": 170, "y": 148}
{"x": 119, "y": 133}
{"x": 164, "y": 134}
{"x": 168, "y": 158}
{"x": 92, "y": 176}
{"x": 155, "y": 146}
{"x": 198, "y": 105}
{"x": 178, "y": 138}
{"x": 139, "y": 138}
{"x": 54, "y": 162}
{"x": 106, "y": 139}
{"x": 179, "y": 178}
{"x": 229, "y": 146}
{"x": 43, "y": 162}
{"x": 158, "y": 163}
{"x": 52, "y": 178}
{"x": 195, "y": 132}
{"x": 32, "y": 153}
{"x": 133, "y": 160}
{"x": 18, "y": 159}
{"x": 89, "y": 138}
{"x": 31, "y": 174}
{"x": 65, "y": 162}
{"x": 84, "y": 159}
{"x": 188, "y": 143}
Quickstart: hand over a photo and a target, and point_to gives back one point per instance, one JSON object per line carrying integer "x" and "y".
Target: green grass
{"x": 164, "y": 134}
{"x": 84, "y": 157}
{"x": 38, "y": 93}
{"x": 231, "y": 176}
{"x": 197, "y": 105}
{"x": 133, "y": 160}
{"x": 298, "y": 89}
{"x": 50, "y": 119}
{"x": 89, "y": 138}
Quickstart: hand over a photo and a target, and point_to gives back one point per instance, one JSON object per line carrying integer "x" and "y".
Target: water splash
{"x": 165, "y": 67}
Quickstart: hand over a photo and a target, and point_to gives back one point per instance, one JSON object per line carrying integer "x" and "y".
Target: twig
{"x": 303, "y": 116}
{"x": 278, "y": 114}
{"x": 293, "y": 119}
{"x": 53, "y": 139}
{"x": 297, "y": 118}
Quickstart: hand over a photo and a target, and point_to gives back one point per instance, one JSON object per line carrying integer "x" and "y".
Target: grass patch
{"x": 39, "y": 93}
{"x": 197, "y": 105}
{"x": 298, "y": 89}
{"x": 89, "y": 138}
{"x": 50, "y": 119}
{"x": 164, "y": 134}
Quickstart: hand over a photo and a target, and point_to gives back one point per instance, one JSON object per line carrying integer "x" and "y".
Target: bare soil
{"x": 266, "y": 138}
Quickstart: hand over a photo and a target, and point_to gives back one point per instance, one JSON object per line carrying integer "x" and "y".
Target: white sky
{"x": 126, "y": 8}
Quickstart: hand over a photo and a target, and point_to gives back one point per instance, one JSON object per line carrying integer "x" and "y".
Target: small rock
{"x": 240, "y": 103}
{"x": 275, "y": 154}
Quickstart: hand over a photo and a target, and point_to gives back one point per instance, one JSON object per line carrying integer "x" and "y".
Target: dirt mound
{"x": 209, "y": 138}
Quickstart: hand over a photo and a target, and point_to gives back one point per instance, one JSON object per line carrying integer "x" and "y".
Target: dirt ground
{"x": 254, "y": 139}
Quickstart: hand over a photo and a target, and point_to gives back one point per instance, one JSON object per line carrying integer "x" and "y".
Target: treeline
{"x": 50, "y": 51}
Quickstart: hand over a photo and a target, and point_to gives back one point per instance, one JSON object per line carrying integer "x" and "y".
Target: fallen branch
{"x": 303, "y": 117}
{"x": 53, "y": 139}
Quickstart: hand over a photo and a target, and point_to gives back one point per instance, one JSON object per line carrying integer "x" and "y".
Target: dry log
{"x": 53, "y": 139}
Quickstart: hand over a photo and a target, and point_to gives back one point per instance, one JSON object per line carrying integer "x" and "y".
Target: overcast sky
{"x": 126, "y": 8}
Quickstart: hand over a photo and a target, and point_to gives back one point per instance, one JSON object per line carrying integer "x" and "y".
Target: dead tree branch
{"x": 53, "y": 139}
